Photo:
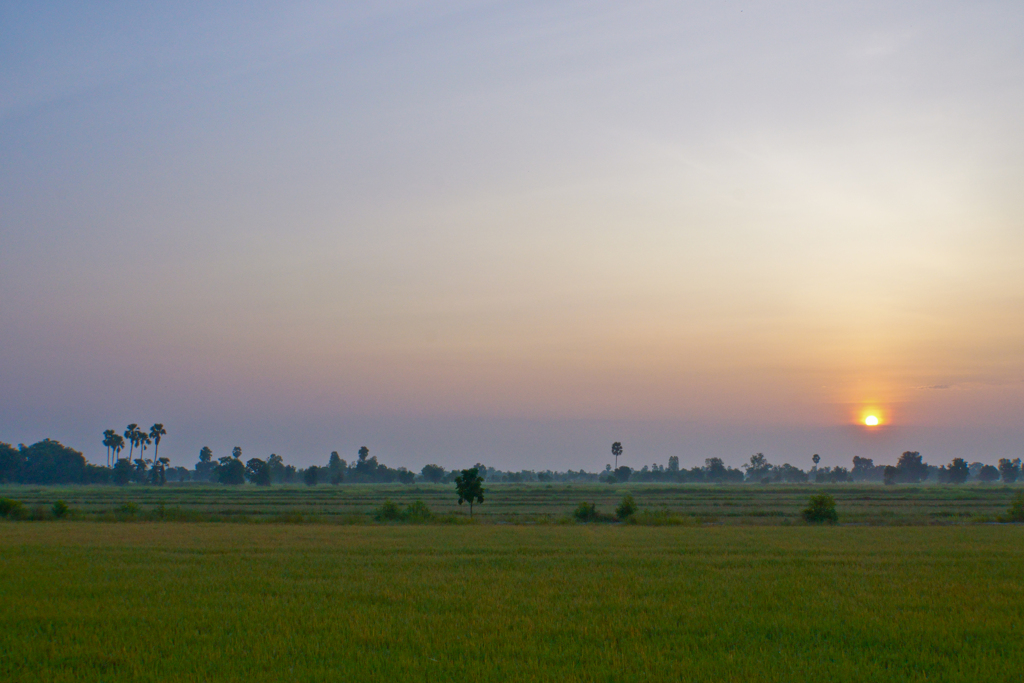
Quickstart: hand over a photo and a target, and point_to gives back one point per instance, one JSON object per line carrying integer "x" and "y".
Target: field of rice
{"x": 517, "y": 503}
{"x": 87, "y": 601}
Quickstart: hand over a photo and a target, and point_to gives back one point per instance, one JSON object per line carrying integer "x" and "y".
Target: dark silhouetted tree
{"x": 910, "y": 468}
{"x": 123, "y": 472}
{"x": 1009, "y": 470}
{"x": 432, "y": 473}
{"x": 988, "y": 474}
{"x": 470, "y": 487}
{"x": 108, "y": 441}
{"x": 617, "y": 451}
{"x": 230, "y": 470}
{"x": 131, "y": 434}
{"x": 205, "y": 466}
{"x": 758, "y": 468}
{"x": 144, "y": 442}
{"x": 257, "y": 472}
{"x": 336, "y": 467}
{"x": 277, "y": 468}
{"x": 10, "y": 462}
{"x": 714, "y": 470}
{"x": 156, "y": 432}
{"x": 815, "y": 459}
{"x": 957, "y": 471}
{"x": 49, "y": 462}
{"x": 864, "y": 470}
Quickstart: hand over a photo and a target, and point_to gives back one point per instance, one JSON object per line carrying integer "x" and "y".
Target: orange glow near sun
{"x": 872, "y": 416}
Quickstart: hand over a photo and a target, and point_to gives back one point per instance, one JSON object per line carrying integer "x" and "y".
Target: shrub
{"x": 821, "y": 509}
{"x": 585, "y": 512}
{"x": 626, "y": 508}
{"x": 128, "y": 509}
{"x": 60, "y": 509}
{"x": 417, "y": 512}
{"x": 1016, "y": 512}
{"x": 12, "y": 509}
{"x": 388, "y": 512}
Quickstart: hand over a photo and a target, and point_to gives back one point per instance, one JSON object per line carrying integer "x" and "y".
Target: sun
{"x": 871, "y": 420}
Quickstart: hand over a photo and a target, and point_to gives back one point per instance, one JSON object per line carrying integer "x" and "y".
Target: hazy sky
{"x": 515, "y": 231}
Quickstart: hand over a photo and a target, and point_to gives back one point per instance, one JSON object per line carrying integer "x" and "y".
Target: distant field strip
{"x": 231, "y": 602}
{"x": 698, "y": 504}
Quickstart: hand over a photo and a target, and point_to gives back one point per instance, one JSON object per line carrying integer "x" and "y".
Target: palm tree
{"x": 108, "y": 441}
{"x": 144, "y": 442}
{"x": 617, "y": 451}
{"x": 132, "y": 435}
{"x": 156, "y": 431}
{"x": 117, "y": 443}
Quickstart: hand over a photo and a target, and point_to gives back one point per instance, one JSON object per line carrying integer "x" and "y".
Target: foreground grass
{"x": 228, "y": 602}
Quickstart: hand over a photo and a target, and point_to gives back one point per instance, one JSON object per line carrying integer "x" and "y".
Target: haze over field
{"x": 515, "y": 232}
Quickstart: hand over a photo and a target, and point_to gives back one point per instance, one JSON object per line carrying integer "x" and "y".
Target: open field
{"x": 690, "y": 504}
{"x": 230, "y": 602}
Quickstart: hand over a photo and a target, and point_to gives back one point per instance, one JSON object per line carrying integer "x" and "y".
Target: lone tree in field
{"x": 617, "y": 451}
{"x": 816, "y": 459}
{"x": 470, "y": 487}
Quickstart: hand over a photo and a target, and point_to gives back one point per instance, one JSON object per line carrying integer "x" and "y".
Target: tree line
{"x": 50, "y": 462}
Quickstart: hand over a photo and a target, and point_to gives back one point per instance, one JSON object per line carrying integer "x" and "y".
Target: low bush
{"x": 416, "y": 512}
{"x": 388, "y": 512}
{"x": 60, "y": 509}
{"x": 585, "y": 512}
{"x": 128, "y": 509}
{"x": 626, "y": 509}
{"x": 821, "y": 509}
{"x": 11, "y": 509}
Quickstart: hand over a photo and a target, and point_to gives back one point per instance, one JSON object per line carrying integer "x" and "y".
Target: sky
{"x": 514, "y": 232}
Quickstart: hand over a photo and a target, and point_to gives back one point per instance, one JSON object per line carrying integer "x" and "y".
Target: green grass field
{"x": 270, "y": 602}
{"x": 515, "y": 503}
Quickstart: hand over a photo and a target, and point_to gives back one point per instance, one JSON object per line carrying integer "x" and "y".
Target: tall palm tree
{"x": 144, "y": 442}
{"x": 132, "y": 435}
{"x": 108, "y": 441}
{"x": 156, "y": 431}
{"x": 617, "y": 451}
{"x": 117, "y": 443}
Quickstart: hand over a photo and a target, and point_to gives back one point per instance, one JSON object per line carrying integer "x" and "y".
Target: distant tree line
{"x": 50, "y": 462}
